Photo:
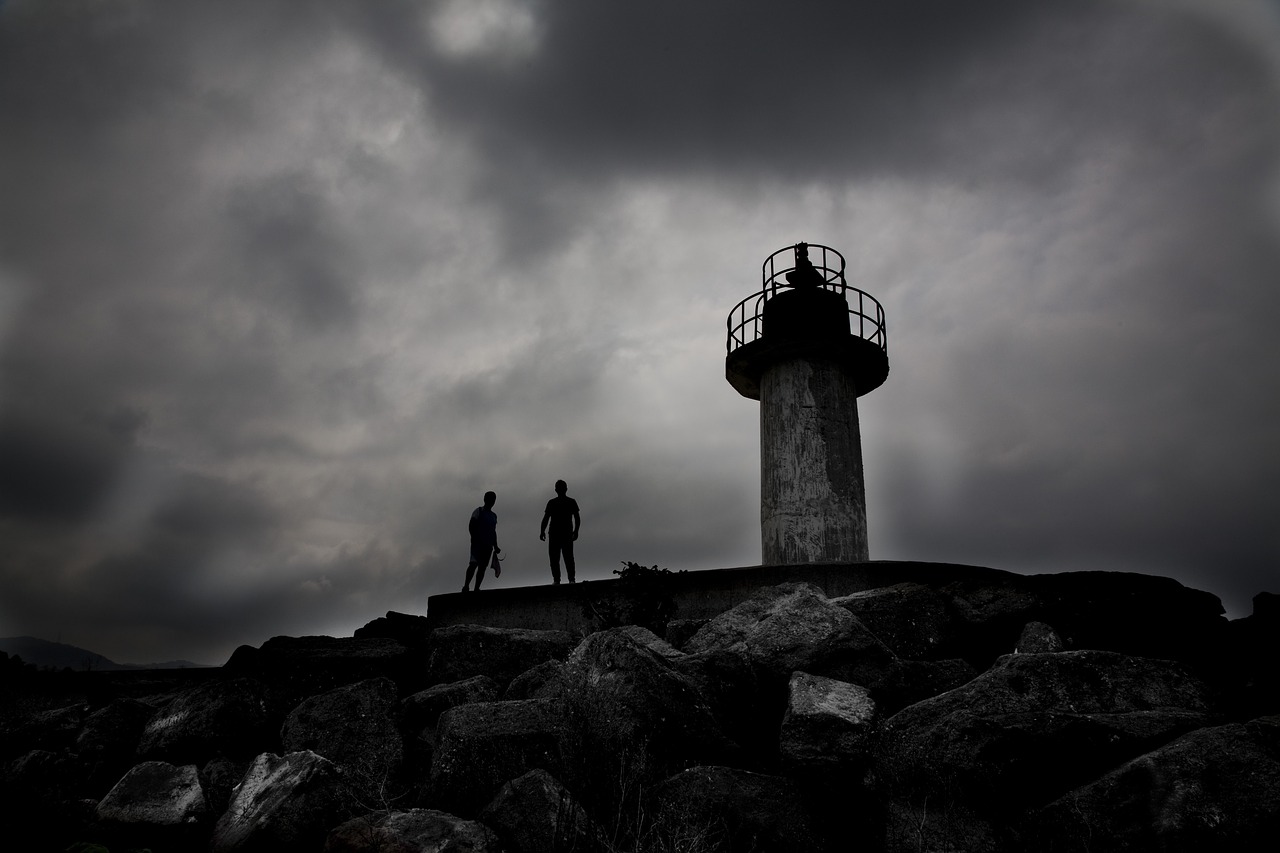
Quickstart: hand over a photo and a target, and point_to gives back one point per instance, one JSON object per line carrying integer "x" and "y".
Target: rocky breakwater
{"x": 1073, "y": 712}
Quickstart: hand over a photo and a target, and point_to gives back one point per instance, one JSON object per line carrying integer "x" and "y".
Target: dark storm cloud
{"x": 284, "y": 287}
{"x": 803, "y": 90}
{"x": 54, "y": 470}
{"x": 292, "y": 252}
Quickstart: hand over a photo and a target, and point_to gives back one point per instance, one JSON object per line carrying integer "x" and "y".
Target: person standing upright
{"x": 483, "y": 528}
{"x": 564, "y": 519}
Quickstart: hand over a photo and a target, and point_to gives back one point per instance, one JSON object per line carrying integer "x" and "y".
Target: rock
{"x": 981, "y": 616}
{"x": 623, "y": 700}
{"x": 422, "y": 709}
{"x": 651, "y": 641}
{"x": 354, "y": 727}
{"x": 41, "y": 803}
{"x": 1140, "y": 615}
{"x": 219, "y": 778}
{"x": 407, "y": 630}
{"x": 53, "y": 730}
{"x": 747, "y": 707}
{"x": 1038, "y": 638}
{"x": 828, "y": 725}
{"x": 720, "y": 808}
{"x": 1266, "y": 608}
{"x": 794, "y": 627}
{"x": 41, "y": 779}
{"x": 536, "y": 682}
{"x": 914, "y": 620}
{"x": 158, "y": 804}
{"x": 109, "y": 741}
{"x": 988, "y": 617}
{"x": 285, "y": 802}
{"x": 1034, "y": 726}
{"x": 1246, "y": 669}
{"x": 536, "y": 814}
{"x": 229, "y": 718}
{"x": 465, "y": 651}
{"x": 1212, "y": 789}
{"x": 483, "y": 745}
{"x": 299, "y": 667}
{"x": 414, "y": 831}
{"x": 420, "y": 712}
{"x": 679, "y": 631}
{"x": 912, "y": 681}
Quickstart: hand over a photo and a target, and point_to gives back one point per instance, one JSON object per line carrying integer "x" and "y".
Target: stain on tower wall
{"x": 812, "y": 497}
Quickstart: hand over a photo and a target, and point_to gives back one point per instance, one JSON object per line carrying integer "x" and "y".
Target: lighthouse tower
{"x": 807, "y": 346}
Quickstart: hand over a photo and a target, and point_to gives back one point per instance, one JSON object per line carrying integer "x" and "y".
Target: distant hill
{"x": 43, "y": 653}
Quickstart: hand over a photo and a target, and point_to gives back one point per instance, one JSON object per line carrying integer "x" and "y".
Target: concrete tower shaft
{"x": 807, "y": 351}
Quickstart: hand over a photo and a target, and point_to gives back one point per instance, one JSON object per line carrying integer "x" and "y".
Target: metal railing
{"x": 866, "y": 315}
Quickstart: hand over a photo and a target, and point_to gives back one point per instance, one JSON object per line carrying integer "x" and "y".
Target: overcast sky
{"x": 285, "y": 286}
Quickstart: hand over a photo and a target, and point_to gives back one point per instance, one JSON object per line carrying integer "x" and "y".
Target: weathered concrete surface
{"x": 698, "y": 595}
{"x": 812, "y": 498}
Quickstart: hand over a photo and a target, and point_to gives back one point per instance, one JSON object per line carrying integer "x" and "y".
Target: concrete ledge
{"x": 698, "y": 595}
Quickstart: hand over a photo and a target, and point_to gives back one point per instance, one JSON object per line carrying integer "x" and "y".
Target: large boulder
{"x": 481, "y": 746}
{"x": 232, "y": 718}
{"x": 651, "y": 641}
{"x": 298, "y": 667}
{"x": 413, "y": 831}
{"x": 1037, "y": 639}
{"x": 915, "y": 620}
{"x": 1247, "y": 670}
{"x": 408, "y": 630}
{"x": 1029, "y": 729}
{"x": 354, "y": 727}
{"x": 988, "y": 616}
{"x": 536, "y": 683}
{"x": 746, "y": 704}
{"x": 158, "y": 804}
{"x": 794, "y": 627}
{"x": 1141, "y": 615}
{"x": 220, "y": 777}
{"x": 912, "y": 681}
{"x": 624, "y": 701}
{"x": 980, "y": 616}
{"x": 423, "y": 709}
{"x": 287, "y": 802}
{"x": 53, "y": 730}
{"x": 459, "y": 652}
{"x": 1212, "y": 789}
{"x": 39, "y": 783}
{"x": 536, "y": 814}
{"x": 721, "y": 808}
{"x": 829, "y": 725}
{"x": 109, "y": 741}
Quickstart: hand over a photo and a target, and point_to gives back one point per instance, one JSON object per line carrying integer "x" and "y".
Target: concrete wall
{"x": 812, "y": 496}
{"x": 698, "y": 595}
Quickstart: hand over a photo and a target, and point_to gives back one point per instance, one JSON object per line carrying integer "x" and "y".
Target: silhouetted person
{"x": 483, "y": 528}
{"x": 805, "y": 272}
{"x": 562, "y": 514}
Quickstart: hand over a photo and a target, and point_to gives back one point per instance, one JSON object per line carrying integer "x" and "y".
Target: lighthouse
{"x": 807, "y": 346}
